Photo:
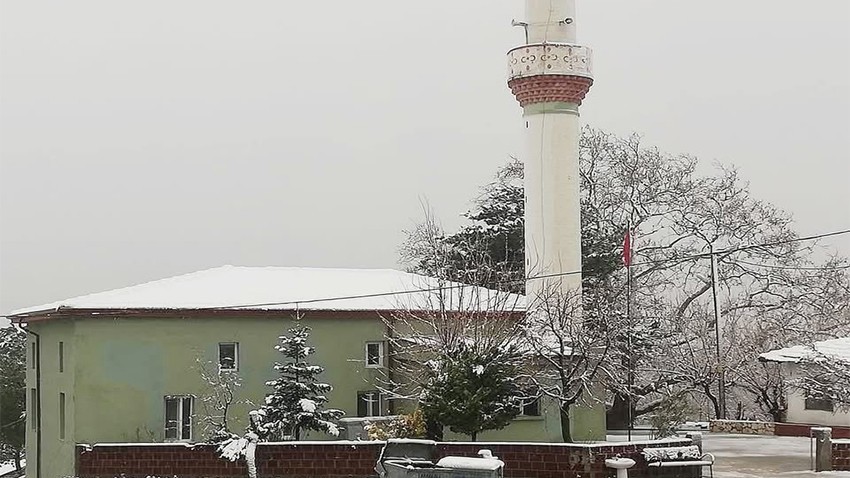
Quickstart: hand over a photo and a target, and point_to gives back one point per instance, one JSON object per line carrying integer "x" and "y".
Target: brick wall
{"x": 801, "y": 430}
{"x": 355, "y": 460}
{"x": 841, "y": 455}
{"x": 273, "y": 460}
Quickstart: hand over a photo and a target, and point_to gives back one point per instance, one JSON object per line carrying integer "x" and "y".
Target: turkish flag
{"x": 627, "y": 248}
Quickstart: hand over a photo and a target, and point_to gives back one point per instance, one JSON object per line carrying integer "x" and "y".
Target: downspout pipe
{"x": 37, "y": 397}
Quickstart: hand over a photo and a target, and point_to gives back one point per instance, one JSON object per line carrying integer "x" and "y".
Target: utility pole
{"x": 721, "y": 372}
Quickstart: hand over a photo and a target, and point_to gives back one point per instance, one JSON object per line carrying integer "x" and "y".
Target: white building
{"x": 803, "y": 408}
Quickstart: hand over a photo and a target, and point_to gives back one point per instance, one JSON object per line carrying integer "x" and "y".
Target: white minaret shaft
{"x": 551, "y": 21}
{"x": 550, "y": 77}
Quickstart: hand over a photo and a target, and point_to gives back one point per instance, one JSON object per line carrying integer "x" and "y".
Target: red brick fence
{"x": 355, "y": 459}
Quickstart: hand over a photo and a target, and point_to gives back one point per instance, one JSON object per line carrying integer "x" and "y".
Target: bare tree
{"x": 768, "y": 281}
{"x": 774, "y": 289}
{"x": 218, "y": 397}
{"x": 455, "y": 336}
{"x": 570, "y": 348}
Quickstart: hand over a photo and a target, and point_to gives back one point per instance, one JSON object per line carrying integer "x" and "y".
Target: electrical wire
{"x": 455, "y": 285}
{"x": 529, "y": 278}
{"x": 795, "y": 268}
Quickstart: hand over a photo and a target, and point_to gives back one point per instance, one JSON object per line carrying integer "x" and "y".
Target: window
{"x": 61, "y": 415}
{"x": 228, "y": 356}
{"x": 34, "y": 407}
{"x": 61, "y": 357}
{"x": 374, "y": 354}
{"x": 369, "y": 404}
{"x": 178, "y": 418}
{"x": 529, "y": 407}
{"x": 822, "y": 404}
{"x": 34, "y": 350}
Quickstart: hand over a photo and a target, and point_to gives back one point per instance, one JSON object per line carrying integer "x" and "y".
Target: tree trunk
{"x": 17, "y": 460}
{"x": 251, "y": 458}
{"x": 433, "y": 430}
{"x": 777, "y": 414}
{"x": 715, "y": 403}
{"x": 566, "y": 433}
{"x": 618, "y": 415}
{"x": 474, "y": 436}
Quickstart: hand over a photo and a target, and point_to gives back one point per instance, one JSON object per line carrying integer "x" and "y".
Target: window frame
{"x": 62, "y": 418}
{"x": 381, "y": 354}
{"x": 235, "y": 367}
{"x": 376, "y": 401}
{"x": 61, "y": 357}
{"x": 524, "y": 403}
{"x": 34, "y": 407}
{"x": 816, "y": 404}
{"x": 181, "y": 425}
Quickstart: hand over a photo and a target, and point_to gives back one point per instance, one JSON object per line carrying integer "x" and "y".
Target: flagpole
{"x": 627, "y": 257}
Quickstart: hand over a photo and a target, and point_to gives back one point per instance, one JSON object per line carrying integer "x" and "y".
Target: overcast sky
{"x": 140, "y": 140}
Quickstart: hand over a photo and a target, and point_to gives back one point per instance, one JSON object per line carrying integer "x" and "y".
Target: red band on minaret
{"x": 550, "y": 88}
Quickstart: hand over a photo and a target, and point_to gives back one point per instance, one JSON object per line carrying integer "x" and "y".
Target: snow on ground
{"x": 9, "y": 467}
{"x": 754, "y": 456}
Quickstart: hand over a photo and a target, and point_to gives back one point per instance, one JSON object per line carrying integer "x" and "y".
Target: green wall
{"x": 131, "y": 364}
{"x": 118, "y": 371}
{"x": 57, "y": 455}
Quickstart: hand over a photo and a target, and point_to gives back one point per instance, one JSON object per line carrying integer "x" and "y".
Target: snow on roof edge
{"x": 834, "y": 348}
{"x": 279, "y": 288}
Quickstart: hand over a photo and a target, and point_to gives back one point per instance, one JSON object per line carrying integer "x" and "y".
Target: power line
{"x": 787, "y": 241}
{"x": 795, "y": 268}
{"x": 525, "y": 279}
{"x": 744, "y": 248}
{"x": 536, "y": 277}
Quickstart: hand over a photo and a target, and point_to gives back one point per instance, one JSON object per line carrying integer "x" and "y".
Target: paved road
{"x": 752, "y": 456}
{"x": 749, "y": 456}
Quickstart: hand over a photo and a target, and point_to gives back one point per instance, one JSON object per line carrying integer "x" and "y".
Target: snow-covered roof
{"x": 289, "y": 288}
{"x": 836, "y": 348}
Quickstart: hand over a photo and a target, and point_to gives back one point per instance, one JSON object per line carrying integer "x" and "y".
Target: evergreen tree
{"x": 297, "y": 399}
{"x": 12, "y": 395}
{"x": 489, "y": 251}
{"x": 471, "y": 391}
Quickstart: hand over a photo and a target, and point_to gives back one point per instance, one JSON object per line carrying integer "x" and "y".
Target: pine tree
{"x": 12, "y": 395}
{"x": 471, "y": 391}
{"x": 297, "y": 399}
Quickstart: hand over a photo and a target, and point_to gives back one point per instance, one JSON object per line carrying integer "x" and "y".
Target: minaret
{"x": 550, "y": 75}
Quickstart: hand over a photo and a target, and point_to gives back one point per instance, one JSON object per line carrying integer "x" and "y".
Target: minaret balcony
{"x": 550, "y": 59}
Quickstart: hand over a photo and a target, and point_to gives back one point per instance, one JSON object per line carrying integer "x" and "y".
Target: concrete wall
{"x": 129, "y": 365}
{"x": 797, "y": 412}
{"x": 56, "y": 454}
{"x": 118, "y": 371}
